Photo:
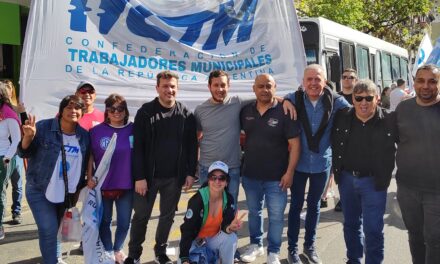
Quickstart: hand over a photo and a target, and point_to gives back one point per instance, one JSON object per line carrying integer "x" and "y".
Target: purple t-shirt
{"x": 119, "y": 176}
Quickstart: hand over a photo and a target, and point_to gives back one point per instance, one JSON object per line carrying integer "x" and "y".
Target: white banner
{"x": 121, "y": 45}
{"x": 425, "y": 49}
{"x": 434, "y": 58}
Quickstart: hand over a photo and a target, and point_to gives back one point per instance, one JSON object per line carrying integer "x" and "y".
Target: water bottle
{"x": 66, "y": 222}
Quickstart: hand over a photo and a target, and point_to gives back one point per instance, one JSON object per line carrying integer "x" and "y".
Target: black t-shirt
{"x": 358, "y": 154}
{"x": 347, "y": 97}
{"x": 166, "y": 147}
{"x": 266, "y": 149}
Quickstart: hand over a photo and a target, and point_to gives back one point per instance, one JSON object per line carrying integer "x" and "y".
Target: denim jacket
{"x": 43, "y": 152}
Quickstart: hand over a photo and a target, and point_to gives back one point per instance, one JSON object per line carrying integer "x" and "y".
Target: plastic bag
{"x": 70, "y": 227}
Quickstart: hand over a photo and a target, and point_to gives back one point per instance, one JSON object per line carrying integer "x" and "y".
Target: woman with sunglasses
{"x": 56, "y": 149}
{"x": 210, "y": 219}
{"x": 118, "y": 184}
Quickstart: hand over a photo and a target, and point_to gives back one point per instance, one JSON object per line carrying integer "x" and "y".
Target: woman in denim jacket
{"x": 45, "y": 191}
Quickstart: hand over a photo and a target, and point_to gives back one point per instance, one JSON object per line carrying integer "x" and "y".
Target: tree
{"x": 395, "y": 21}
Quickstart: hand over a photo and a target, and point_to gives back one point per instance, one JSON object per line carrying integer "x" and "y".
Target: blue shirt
{"x": 309, "y": 161}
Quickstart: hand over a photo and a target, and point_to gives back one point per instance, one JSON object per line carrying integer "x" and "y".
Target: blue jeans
{"x": 420, "y": 213}
{"x": 363, "y": 208}
{"x": 17, "y": 184}
{"x": 47, "y": 216}
{"x": 234, "y": 184}
{"x": 124, "y": 206}
{"x": 257, "y": 193}
{"x": 317, "y": 185}
{"x": 224, "y": 245}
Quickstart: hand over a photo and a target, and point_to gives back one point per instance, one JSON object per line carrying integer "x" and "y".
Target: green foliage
{"x": 390, "y": 20}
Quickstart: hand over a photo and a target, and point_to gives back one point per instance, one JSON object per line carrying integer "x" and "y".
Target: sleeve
{"x": 341, "y": 103}
{"x": 290, "y": 97}
{"x": 141, "y": 129}
{"x": 192, "y": 147}
{"x": 190, "y": 227}
{"x": 291, "y": 127}
{"x": 197, "y": 117}
{"x": 15, "y": 133}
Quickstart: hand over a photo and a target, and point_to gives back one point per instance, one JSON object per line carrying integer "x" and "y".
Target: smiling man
{"x": 316, "y": 107}
{"x": 418, "y": 165}
{"x": 164, "y": 160}
{"x": 363, "y": 147}
{"x": 92, "y": 116}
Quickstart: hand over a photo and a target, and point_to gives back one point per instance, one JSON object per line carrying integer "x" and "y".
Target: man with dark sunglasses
{"x": 363, "y": 147}
{"x": 348, "y": 81}
{"x": 92, "y": 116}
{"x": 268, "y": 166}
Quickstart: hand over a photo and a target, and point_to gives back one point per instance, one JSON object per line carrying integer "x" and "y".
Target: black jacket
{"x": 384, "y": 149}
{"x": 193, "y": 220}
{"x": 144, "y": 136}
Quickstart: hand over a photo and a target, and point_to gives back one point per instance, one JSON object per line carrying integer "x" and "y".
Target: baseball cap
{"x": 85, "y": 83}
{"x": 218, "y": 165}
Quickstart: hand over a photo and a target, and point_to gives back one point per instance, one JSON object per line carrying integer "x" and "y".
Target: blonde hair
{"x": 8, "y": 84}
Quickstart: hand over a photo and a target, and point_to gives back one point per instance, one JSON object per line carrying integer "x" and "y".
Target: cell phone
{"x": 23, "y": 117}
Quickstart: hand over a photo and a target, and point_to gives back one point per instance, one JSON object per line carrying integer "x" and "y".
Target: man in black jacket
{"x": 164, "y": 160}
{"x": 363, "y": 147}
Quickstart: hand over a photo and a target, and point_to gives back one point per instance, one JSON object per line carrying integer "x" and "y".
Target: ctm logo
{"x": 225, "y": 22}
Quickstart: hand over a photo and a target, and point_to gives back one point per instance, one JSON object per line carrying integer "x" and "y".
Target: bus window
{"x": 311, "y": 57}
{"x": 373, "y": 76}
{"x": 404, "y": 69}
{"x": 379, "y": 69}
{"x": 395, "y": 67}
{"x": 347, "y": 55}
{"x": 362, "y": 62}
{"x": 386, "y": 70}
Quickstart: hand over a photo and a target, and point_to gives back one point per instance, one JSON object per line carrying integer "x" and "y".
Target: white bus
{"x": 337, "y": 47}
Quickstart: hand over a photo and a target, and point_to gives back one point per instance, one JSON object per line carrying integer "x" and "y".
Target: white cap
{"x": 84, "y": 83}
{"x": 218, "y": 165}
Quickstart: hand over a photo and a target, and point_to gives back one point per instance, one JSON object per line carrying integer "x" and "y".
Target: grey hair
{"x": 318, "y": 68}
{"x": 365, "y": 85}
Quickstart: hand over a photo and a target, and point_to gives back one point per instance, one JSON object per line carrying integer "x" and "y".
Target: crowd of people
{"x": 307, "y": 138}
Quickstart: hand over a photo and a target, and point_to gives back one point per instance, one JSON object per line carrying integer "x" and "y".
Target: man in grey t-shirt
{"x": 218, "y": 127}
{"x": 418, "y": 165}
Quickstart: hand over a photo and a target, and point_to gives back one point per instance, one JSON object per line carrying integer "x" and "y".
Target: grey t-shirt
{"x": 220, "y": 125}
{"x": 418, "y": 150}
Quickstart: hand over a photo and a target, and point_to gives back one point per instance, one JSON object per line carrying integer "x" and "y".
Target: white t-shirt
{"x": 396, "y": 97}
{"x": 55, "y": 189}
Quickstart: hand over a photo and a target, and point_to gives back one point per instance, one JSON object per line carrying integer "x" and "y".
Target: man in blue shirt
{"x": 316, "y": 107}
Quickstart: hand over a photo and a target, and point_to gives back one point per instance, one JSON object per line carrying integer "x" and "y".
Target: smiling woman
{"x": 50, "y": 145}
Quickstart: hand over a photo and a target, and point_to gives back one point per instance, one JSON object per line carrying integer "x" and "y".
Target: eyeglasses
{"x": 220, "y": 178}
{"x": 86, "y": 90}
{"x": 118, "y": 108}
{"x": 348, "y": 77}
{"x": 368, "y": 98}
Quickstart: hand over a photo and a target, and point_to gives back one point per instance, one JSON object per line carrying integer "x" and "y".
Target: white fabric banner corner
{"x": 121, "y": 45}
{"x": 423, "y": 53}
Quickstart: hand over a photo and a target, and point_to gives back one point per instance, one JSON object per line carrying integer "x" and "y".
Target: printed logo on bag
{"x": 189, "y": 214}
{"x": 103, "y": 143}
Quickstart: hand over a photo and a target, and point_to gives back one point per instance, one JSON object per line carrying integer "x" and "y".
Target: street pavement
{"x": 21, "y": 242}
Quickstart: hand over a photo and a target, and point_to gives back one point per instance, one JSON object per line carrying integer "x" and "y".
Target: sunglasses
{"x": 113, "y": 109}
{"x": 368, "y": 98}
{"x": 86, "y": 91}
{"x": 348, "y": 77}
{"x": 220, "y": 178}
